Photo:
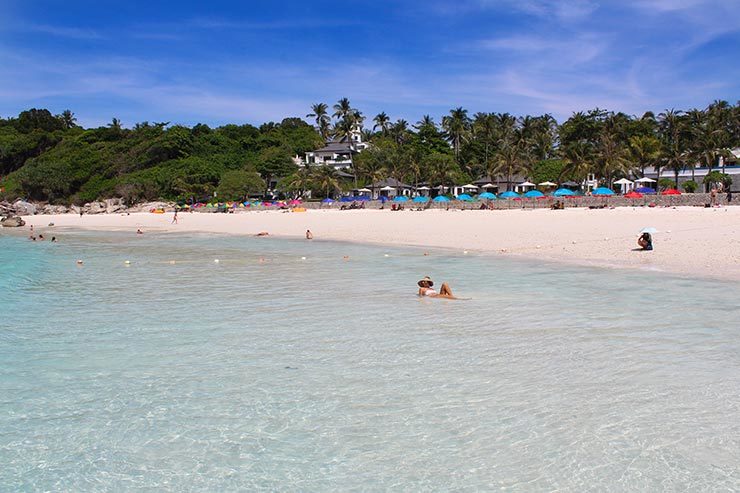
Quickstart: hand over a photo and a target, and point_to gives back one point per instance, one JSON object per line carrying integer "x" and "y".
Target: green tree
{"x": 273, "y": 163}
{"x": 457, "y": 128}
{"x": 319, "y": 112}
{"x": 239, "y": 184}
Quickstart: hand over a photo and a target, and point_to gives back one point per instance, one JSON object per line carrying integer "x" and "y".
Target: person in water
{"x": 425, "y": 289}
{"x": 645, "y": 241}
{"x": 309, "y": 234}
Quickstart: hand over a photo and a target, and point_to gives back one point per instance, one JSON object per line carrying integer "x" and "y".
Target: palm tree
{"x": 343, "y": 109}
{"x": 319, "y": 112}
{"x": 673, "y": 133}
{"x": 441, "y": 169}
{"x": 382, "y": 121}
{"x": 399, "y": 130}
{"x": 327, "y": 179}
{"x": 115, "y": 124}
{"x": 425, "y": 122}
{"x": 484, "y": 129}
{"x": 644, "y": 151}
{"x": 68, "y": 119}
{"x": 301, "y": 181}
{"x": 457, "y": 127}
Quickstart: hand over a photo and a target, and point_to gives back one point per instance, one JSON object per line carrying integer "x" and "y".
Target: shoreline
{"x": 691, "y": 242}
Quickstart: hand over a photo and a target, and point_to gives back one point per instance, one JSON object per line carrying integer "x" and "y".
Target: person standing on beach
{"x": 309, "y": 234}
{"x": 713, "y": 197}
{"x": 174, "y": 218}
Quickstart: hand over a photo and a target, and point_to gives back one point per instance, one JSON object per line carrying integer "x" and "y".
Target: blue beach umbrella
{"x": 421, "y": 199}
{"x": 465, "y": 197}
{"x": 645, "y": 190}
{"x": 508, "y": 195}
{"x": 563, "y": 192}
{"x": 327, "y": 201}
{"x": 533, "y": 194}
{"x": 487, "y": 196}
{"x": 440, "y": 198}
{"x": 401, "y": 198}
{"x": 602, "y": 191}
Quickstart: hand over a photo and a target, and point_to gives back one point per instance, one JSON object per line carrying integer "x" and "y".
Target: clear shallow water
{"x": 324, "y": 374}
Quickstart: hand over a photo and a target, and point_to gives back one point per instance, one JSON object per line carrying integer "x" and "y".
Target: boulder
{"x": 113, "y": 205}
{"x": 23, "y": 208}
{"x": 95, "y": 208}
{"x": 12, "y": 222}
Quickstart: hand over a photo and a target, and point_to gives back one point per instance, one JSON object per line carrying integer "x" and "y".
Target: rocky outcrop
{"x": 23, "y": 208}
{"x": 54, "y": 209}
{"x": 114, "y": 205}
{"x": 12, "y": 222}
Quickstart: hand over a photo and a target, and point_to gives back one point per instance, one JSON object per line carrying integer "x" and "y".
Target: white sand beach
{"x": 691, "y": 241}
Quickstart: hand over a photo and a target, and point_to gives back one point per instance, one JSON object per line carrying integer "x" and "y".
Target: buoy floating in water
{"x": 303, "y": 258}
{"x": 386, "y": 255}
{"x": 127, "y": 262}
{"x": 215, "y": 261}
{"x": 79, "y": 262}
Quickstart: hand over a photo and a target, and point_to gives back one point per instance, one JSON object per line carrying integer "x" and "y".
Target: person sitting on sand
{"x": 645, "y": 241}
{"x": 425, "y": 289}
{"x": 263, "y": 233}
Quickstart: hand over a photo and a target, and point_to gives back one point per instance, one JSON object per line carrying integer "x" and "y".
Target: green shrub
{"x": 690, "y": 186}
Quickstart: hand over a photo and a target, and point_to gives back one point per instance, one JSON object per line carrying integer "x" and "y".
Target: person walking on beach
{"x": 309, "y": 234}
{"x": 174, "y": 218}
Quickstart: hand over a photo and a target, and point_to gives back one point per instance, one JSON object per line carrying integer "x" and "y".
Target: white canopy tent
{"x": 645, "y": 179}
{"x": 625, "y": 184}
{"x": 524, "y": 185}
{"x": 547, "y": 184}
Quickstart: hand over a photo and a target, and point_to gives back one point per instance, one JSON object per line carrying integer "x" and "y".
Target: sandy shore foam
{"x": 691, "y": 241}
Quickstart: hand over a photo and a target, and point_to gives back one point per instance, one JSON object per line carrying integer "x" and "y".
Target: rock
{"x": 12, "y": 222}
{"x": 24, "y": 208}
{"x": 74, "y": 209}
{"x": 95, "y": 207}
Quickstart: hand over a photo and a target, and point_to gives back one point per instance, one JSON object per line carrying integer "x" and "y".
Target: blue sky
{"x": 254, "y": 61}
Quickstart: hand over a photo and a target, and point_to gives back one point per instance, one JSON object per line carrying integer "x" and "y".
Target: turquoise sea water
{"x": 327, "y": 374}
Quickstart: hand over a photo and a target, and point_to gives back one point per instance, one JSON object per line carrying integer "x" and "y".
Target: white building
{"x": 338, "y": 152}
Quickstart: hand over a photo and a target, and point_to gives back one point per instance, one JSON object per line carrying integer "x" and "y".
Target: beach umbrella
{"x": 645, "y": 179}
{"x": 670, "y": 191}
{"x": 400, "y": 198}
{"x": 645, "y": 190}
{"x": 602, "y": 191}
{"x": 649, "y": 229}
{"x": 633, "y": 195}
{"x": 440, "y": 198}
{"x": 362, "y": 198}
{"x": 487, "y": 196}
{"x": 421, "y": 199}
{"x": 547, "y": 184}
{"x": 508, "y": 195}
{"x": 327, "y": 201}
{"x": 383, "y": 199}
{"x": 294, "y": 202}
{"x": 563, "y": 192}
{"x": 533, "y": 194}
{"x": 465, "y": 197}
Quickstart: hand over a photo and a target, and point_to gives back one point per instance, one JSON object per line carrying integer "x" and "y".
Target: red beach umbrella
{"x": 633, "y": 195}
{"x": 670, "y": 191}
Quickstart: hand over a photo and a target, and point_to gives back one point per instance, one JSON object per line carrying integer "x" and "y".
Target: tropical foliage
{"x": 50, "y": 157}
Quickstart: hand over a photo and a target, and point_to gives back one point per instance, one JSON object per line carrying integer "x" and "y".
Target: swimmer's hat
{"x": 426, "y": 281}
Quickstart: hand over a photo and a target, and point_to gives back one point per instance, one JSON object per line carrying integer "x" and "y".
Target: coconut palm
{"x": 674, "y": 141}
{"x": 68, "y": 119}
{"x": 343, "y": 109}
{"x": 383, "y": 122}
{"x": 457, "y": 128}
{"x": 426, "y": 122}
{"x": 484, "y": 130}
{"x": 326, "y": 179}
{"x": 399, "y": 131}
{"x": 321, "y": 116}
{"x": 644, "y": 151}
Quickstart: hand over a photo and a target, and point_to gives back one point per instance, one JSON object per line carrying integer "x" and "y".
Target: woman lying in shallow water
{"x": 425, "y": 289}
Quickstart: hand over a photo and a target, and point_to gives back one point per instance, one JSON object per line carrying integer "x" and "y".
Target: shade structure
{"x": 364, "y": 190}
{"x": 470, "y": 186}
{"x": 602, "y": 191}
{"x": 362, "y": 198}
{"x": 487, "y": 196}
{"x": 563, "y": 192}
{"x": 533, "y": 194}
{"x": 670, "y": 191}
{"x": 421, "y": 199}
{"x": 387, "y": 189}
{"x": 327, "y": 201}
{"x": 465, "y": 197}
{"x": 527, "y": 184}
{"x": 509, "y": 195}
{"x": 424, "y": 188}
{"x": 488, "y": 185}
{"x": 401, "y": 198}
{"x": 547, "y": 184}
{"x": 645, "y": 190}
{"x": 623, "y": 181}
{"x": 633, "y": 195}
{"x": 644, "y": 179}
{"x": 440, "y": 198}
{"x": 571, "y": 184}
{"x": 649, "y": 229}
{"x": 294, "y": 202}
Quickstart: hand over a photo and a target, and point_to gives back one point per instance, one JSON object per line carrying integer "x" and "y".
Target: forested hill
{"x": 48, "y": 157}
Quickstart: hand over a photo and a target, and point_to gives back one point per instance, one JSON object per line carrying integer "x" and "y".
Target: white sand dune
{"x": 691, "y": 241}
